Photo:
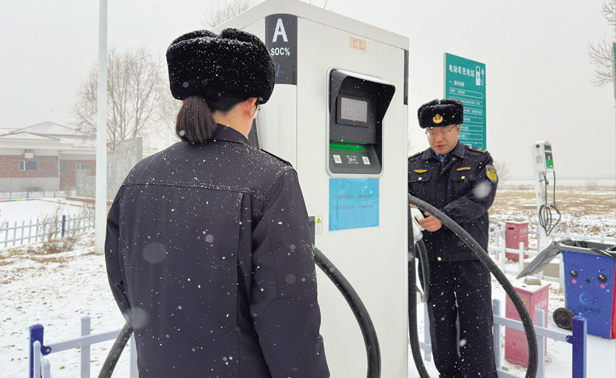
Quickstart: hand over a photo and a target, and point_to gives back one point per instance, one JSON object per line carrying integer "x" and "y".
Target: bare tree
{"x": 166, "y": 114}
{"x": 3, "y": 224}
{"x": 601, "y": 55}
{"x": 608, "y": 10}
{"x": 223, "y": 10}
{"x": 502, "y": 169}
{"x": 134, "y": 88}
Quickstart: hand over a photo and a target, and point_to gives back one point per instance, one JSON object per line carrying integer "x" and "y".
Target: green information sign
{"x": 465, "y": 80}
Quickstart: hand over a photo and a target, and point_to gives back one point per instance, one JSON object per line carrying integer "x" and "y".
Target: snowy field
{"x": 22, "y": 212}
{"x": 56, "y": 290}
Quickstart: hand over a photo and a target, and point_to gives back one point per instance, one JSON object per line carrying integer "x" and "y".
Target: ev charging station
{"x": 543, "y": 164}
{"x": 339, "y": 115}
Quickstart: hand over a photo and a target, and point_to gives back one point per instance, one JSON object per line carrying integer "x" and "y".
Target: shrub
{"x": 50, "y": 227}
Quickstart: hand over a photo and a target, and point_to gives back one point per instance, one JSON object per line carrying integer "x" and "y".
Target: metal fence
{"x": 577, "y": 338}
{"x": 601, "y": 238}
{"x": 41, "y": 367}
{"x": 28, "y": 195}
{"x": 44, "y": 229}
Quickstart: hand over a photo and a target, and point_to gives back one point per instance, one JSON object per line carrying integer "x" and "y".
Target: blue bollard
{"x": 579, "y": 347}
{"x": 63, "y": 224}
{"x": 36, "y": 334}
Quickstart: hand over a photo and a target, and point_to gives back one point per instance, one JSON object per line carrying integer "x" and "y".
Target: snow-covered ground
{"x": 24, "y": 210}
{"x": 21, "y": 212}
{"x": 56, "y": 290}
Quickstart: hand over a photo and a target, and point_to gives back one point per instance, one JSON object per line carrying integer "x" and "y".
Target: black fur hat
{"x": 438, "y": 113}
{"x": 207, "y": 64}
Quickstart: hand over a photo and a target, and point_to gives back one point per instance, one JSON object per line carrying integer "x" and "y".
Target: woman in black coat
{"x": 208, "y": 249}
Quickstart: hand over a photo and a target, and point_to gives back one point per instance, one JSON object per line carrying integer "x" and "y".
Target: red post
{"x": 516, "y": 233}
{"x": 534, "y": 297}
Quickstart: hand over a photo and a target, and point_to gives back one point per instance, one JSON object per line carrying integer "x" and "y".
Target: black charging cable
{"x": 371, "y": 340}
{"x": 420, "y": 246}
{"x": 116, "y": 351}
{"x": 467, "y": 239}
{"x": 545, "y": 210}
{"x": 412, "y": 300}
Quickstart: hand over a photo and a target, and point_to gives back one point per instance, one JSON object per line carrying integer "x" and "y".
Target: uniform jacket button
{"x": 438, "y": 258}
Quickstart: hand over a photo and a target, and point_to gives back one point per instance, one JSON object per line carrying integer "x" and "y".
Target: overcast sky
{"x": 537, "y": 69}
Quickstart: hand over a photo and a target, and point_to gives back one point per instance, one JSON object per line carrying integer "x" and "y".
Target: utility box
{"x": 533, "y": 297}
{"x": 590, "y": 272}
{"x": 516, "y": 233}
{"x": 339, "y": 115}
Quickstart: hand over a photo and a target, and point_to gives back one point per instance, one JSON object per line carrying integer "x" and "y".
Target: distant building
{"x": 44, "y": 157}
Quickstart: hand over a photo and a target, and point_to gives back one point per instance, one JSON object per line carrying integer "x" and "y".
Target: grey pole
{"x": 101, "y": 132}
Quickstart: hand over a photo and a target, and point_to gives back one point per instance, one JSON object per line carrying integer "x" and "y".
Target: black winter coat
{"x": 209, "y": 258}
{"x": 463, "y": 188}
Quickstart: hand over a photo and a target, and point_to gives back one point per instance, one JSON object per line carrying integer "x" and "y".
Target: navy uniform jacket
{"x": 209, "y": 258}
{"x": 463, "y": 188}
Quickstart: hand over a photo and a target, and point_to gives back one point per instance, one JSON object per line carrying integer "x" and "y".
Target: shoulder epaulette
{"x": 278, "y": 158}
{"x": 478, "y": 149}
{"x": 417, "y": 154}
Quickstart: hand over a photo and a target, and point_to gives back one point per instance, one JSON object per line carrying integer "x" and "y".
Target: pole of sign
{"x": 614, "y": 67}
{"x": 101, "y": 133}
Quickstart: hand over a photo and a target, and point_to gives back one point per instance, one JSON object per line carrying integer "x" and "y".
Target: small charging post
{"x": 543, "y": 167}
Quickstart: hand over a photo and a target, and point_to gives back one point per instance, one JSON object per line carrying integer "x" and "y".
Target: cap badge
{"x": 437, "y": 119}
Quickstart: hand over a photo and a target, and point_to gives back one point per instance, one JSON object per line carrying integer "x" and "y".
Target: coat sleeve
{"x": 284, "y": 304}
{"x": 478, "y": 200}
{"x": 112, "y": 258}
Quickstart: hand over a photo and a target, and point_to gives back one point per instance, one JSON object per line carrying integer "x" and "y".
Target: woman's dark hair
{"x": 195, "y": 122}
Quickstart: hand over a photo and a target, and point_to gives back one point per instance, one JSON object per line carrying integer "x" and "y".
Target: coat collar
{"x": 458, "y": 151}
{"x": 228, "y": 134}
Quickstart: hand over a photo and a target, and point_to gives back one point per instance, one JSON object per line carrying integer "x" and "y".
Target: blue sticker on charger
{"x": 353, "y": 203}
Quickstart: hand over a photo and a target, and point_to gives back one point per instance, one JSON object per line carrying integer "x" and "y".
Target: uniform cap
{"x": 206, "y": 64}
{"x": 439, "y": 113}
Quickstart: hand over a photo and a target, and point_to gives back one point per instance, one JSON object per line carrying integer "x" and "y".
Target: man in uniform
{"x": 460, "y": 181}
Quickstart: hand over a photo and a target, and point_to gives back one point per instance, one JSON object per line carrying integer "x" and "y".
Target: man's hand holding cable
{"x": 430, "y": 223}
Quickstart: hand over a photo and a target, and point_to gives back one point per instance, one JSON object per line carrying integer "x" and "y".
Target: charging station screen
{"x": 354, "y": 110}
